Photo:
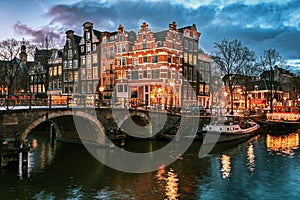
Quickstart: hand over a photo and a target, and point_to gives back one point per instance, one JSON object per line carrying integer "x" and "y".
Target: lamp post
{"x": 101, "y": 89}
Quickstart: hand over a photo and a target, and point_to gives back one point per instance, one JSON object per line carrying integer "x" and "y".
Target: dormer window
{"x": 121, "y": 38}
{"x": 104, "y": 40}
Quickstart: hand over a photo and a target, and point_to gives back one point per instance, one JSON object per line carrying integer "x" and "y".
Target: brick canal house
{"x": 153, "y": 69}
{"x": 164, "y": 69}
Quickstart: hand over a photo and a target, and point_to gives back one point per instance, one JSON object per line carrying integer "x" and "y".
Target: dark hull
{"x": 279, "y": 125}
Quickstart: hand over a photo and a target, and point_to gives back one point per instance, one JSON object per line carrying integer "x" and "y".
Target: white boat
{"x": 229, "y": 128}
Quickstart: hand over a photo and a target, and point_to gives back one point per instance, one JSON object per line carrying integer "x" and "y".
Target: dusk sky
{"x": 259, "y": 24}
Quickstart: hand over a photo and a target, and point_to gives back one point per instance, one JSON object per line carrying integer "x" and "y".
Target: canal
{"x": 265, "y": 167}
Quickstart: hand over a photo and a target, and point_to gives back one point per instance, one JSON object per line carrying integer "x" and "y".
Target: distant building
{"x": 55, "y": 72}
{"x": 38, "y": 72}
{"x": 89, "y": 72}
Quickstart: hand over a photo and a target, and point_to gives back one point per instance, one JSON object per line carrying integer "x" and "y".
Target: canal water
{"x": 265, "y": 167}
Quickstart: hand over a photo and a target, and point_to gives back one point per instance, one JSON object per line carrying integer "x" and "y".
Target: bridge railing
{"x": 28, "y": 102}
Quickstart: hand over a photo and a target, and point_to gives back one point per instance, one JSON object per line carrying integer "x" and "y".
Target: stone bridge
{"x": 85, "y": 124}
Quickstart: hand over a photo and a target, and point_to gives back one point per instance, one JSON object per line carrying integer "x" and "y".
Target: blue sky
{"x": 259, "y": 24}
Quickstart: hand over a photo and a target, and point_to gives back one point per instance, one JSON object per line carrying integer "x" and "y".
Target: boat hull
{"x": 223, "y": 137}
{"x": 279, "y": 124}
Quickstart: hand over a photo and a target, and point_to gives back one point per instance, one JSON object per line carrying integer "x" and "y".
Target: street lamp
{"x": 101, "y": 89}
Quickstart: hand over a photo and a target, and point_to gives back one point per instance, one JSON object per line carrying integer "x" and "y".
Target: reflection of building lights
{"x": 251, "y": 157}
{"x": 172, "y": 185}
{"x": 284, "y": 144}
{"x": 225, "y": 160}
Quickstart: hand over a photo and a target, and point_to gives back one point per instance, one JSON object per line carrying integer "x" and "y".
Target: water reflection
{"x": 283, "y": 144}
{"x": 251, "y": 157}
{"x": 169, "y": 181}
{"x": 225, "y": 161}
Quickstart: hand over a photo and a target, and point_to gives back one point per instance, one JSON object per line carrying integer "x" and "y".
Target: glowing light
{"x": 251, "y": 158}
{"x": 225, "y": 160}
{"x": 283, "y": 144}
{"x": 172, "y": 186}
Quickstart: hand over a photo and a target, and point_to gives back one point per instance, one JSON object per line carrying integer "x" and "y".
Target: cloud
{"x": 38, "y": 35}
{"x": 259, "y": 24}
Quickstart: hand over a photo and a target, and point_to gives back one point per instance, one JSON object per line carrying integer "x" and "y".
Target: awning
{"x": 258, "y": 101}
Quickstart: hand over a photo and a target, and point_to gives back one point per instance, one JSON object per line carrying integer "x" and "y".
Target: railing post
{"x": 50, "y": 101}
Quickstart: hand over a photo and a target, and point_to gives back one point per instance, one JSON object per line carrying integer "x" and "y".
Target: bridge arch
{"x": 52, "y": 116}
{"x": 154, "y": 122}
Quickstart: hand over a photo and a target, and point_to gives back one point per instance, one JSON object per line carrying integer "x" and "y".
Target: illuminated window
{"x": 59, "y": 70}
{"x": 95, "y": 72}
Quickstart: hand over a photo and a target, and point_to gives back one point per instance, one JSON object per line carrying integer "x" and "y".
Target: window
{"x": 191, "y": 47}
{"x": 89, "y": 73}
{"x": 121, "y": 38}
{"x": 66, "y": 76}
{"x": 145, "y": 74}
{"x": 95, "y": 58}
{"x": 65, "y": 64}
{"x": 144, "y": 45}
{"x": 123, "y": 61}
{"x": 185, "y": 58}
{"x": 123, "y": 48}
{"x": 88, "y": 60}
{"x": 169, "y": 59}
{"x": 190, "y": 59}
{"x": 55, "y": 71}
{"x": 50, "y": 71}
{"x": 59, "y": 71}
{"x": 88, "y": 35}
{"x": 88, "y": 47}
{"x": 144, "y": 37}
{"x": 111, "y": 52}
{"x": 94, "y": 47}
{"x": 50, "y": 85}
{"x": 95, "y": 72}
{"x": 104, "y": 53}
{"x": 195, "y": 60}
{"x": 70, "y": 54}
{"x": 83, "y": 60}
{"x": 145, "y": 59}
{"x": 75, "y": 63}
{"x": 82, "y": 49}
{"x": 185, "y": 44}
{"x": 135, "y": 61}
{"x": 119, "y": 49}
{"x": 155, "y": 74}
{"x": 134, "y": 75}
{"x": 83, "y": 75}
{"x": 70, "y": 64}
{"x": 120, "y": 88}
{"x": 154, "y": 59}
{"x": 90, "y": 87}
{"x": 69, "y": 43}
{"x": 76, "y": 76}
{"x": 104, "y": 40}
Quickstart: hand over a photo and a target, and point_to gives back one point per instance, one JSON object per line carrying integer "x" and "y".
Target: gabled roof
{"x": 160, "y": 36}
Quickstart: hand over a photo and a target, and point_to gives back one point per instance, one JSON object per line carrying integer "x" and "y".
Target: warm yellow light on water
{"x": 283, "y": 144}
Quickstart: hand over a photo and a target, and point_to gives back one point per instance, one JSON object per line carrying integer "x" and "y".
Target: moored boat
{"x": 282, "y": 117}
{"x": 229, "y": 128}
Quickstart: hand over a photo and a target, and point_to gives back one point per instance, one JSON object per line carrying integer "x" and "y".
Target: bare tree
{"x": 268, "y": 61}
{"x": 249, "y": 69}
{"x": 11, "y": 74}
{"x": 230, "y": 57}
